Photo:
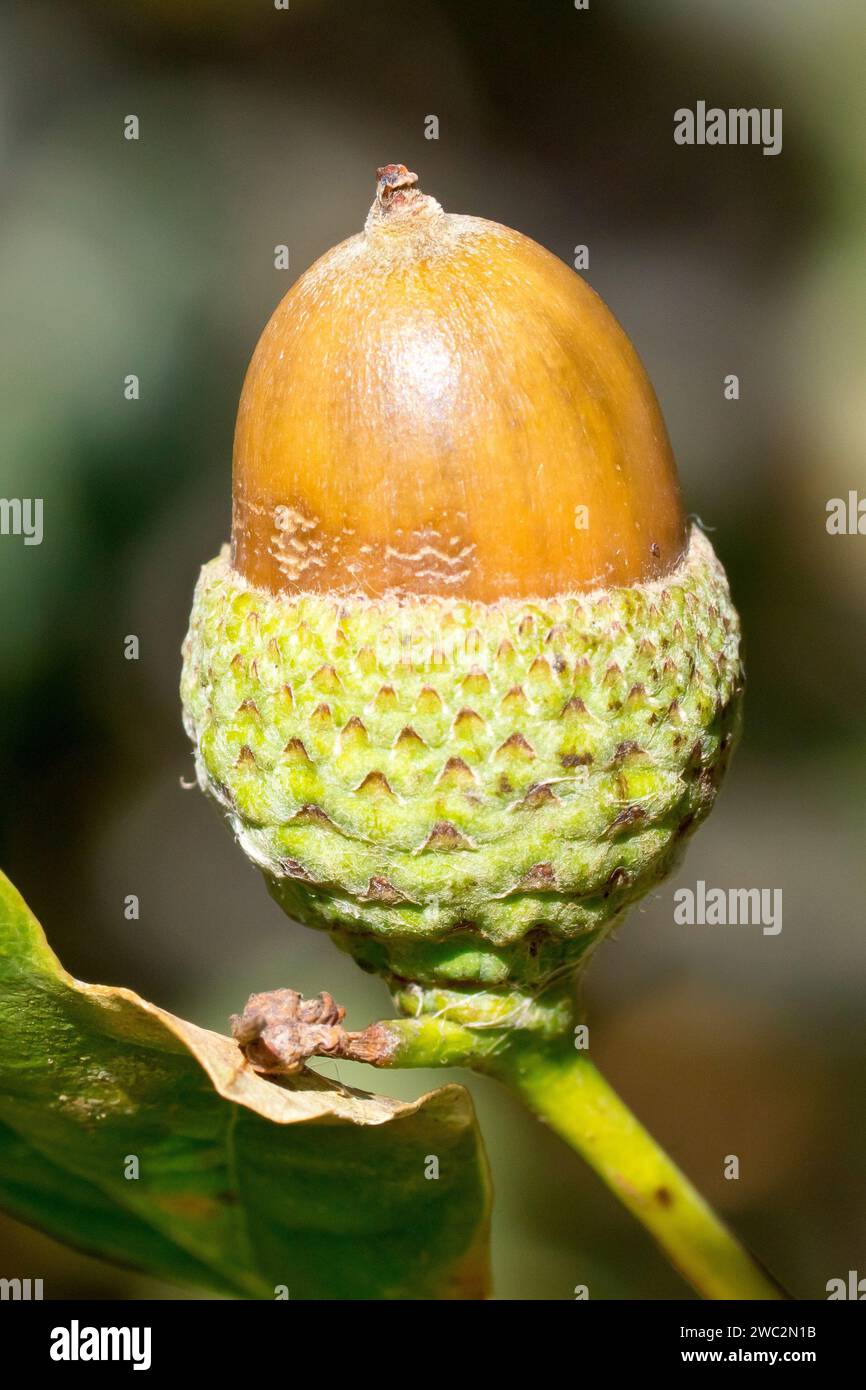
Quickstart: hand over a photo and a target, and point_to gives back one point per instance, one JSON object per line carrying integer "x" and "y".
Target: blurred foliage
{"x": 261, "y": 127}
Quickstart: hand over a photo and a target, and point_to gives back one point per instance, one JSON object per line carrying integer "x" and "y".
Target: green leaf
{"x": 245, "y": 1184}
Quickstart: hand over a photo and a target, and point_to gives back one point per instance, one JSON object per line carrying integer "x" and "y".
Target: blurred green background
{"x": 261, "y": 127}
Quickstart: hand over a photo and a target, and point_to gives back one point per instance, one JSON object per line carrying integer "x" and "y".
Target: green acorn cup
{"x": 465, "y": 681}
{"x": 464, "y": 794}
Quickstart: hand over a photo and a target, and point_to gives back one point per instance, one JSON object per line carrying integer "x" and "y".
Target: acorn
{"x": 466, "y": 679}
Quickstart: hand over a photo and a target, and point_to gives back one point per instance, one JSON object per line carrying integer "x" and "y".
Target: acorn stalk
{"x": 465, "y": 681}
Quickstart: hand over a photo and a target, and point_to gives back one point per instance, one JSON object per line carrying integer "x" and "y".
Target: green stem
{"x": 528, "y": 1041}
{"x": 563, "y": 1088}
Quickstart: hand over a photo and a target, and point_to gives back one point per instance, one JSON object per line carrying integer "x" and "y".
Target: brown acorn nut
{"x": 452, "y": 726}
{"x": 440, "y": 406}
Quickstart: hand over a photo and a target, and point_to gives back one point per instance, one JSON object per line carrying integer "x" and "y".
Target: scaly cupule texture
{"x": 464, "y": 794}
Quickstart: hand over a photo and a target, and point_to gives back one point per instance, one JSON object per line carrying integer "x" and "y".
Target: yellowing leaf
{"x": 246, "y": 1186}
